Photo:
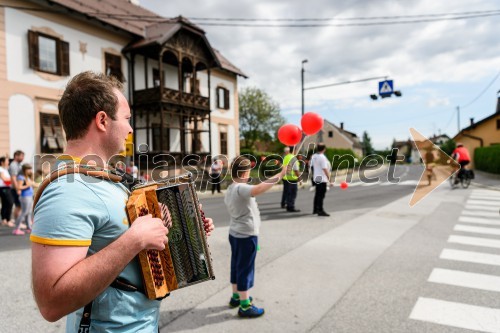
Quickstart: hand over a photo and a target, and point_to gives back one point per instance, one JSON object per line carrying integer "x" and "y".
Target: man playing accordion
{"x": 84, "y": 251}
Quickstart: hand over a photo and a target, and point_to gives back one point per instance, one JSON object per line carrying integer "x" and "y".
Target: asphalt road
{"x": 336, "y": 200}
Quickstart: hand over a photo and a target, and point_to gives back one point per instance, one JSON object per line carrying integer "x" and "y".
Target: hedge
{"x": 487, "y": 159}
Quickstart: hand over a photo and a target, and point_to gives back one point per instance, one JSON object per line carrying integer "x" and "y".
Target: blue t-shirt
{"x": 78, "y": 210}
{"x": 27, "y": 192}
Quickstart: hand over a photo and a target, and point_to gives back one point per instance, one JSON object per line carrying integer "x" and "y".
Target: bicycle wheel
{"x": 452, "y": 181}
{"x": 465, "y": 181}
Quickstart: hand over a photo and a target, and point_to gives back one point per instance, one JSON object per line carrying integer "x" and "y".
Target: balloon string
{"x": 300, "y": 145}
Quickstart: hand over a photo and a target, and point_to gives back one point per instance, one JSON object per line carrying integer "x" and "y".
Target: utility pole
{"x": 458, "y": 118}
{"x": 303, "y": 62}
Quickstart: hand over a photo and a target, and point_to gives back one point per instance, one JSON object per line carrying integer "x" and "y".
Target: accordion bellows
{"x": 186, "y": 260}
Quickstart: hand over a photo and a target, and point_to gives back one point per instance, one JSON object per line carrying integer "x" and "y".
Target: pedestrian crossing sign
{"x": 385, "y": 88}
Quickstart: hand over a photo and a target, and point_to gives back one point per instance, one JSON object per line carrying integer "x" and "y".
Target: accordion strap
{"x": 88, "y": 171}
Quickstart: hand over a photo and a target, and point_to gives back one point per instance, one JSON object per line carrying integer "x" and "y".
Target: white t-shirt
{"x": 242, "y": 207}
{"x": 5, "y": 173}
{"x": 320, "y": 162}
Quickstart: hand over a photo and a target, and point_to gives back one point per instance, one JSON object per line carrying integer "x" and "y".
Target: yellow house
{"x": 483, "y": 133}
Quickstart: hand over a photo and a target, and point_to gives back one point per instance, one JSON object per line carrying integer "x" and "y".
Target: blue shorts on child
{"x": 243, "y": 253}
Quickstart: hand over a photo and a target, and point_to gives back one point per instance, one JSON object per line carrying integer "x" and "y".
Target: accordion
{"x": 186, "y": 259}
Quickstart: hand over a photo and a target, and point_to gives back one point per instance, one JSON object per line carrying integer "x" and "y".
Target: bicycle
{"x": 464, "y": 179}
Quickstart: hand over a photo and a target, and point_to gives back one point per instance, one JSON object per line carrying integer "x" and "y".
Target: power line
{"x": 359, "y": 24}
{"x": 214, "y": 21}
{"x": 342, "y": 18}
{"x": 482, "y": 92}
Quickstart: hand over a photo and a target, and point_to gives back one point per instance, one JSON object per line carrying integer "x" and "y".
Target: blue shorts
{"x": 243, "y": 253}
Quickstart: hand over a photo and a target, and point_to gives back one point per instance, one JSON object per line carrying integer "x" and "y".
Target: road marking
{"x": 490, "y": 193}
{"x": 470, "y": 256}
{"x": 483, "y": 203}
{"x": 476, "y": 241}
{"x": 477, "y": 230}
{"x": 387, "y": 184}
{"x": 485, "y": 197}
{"x": 479, "y": 213}
{"x": 465, "y": 279}
{"x": 484, "y": 208}
{"x": 409, "y": 182}
{"x": 479, "y": 220}
{"x": 472, "y": 317}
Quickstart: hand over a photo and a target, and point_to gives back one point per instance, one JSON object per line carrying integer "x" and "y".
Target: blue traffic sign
{"x": 385, "y": 88}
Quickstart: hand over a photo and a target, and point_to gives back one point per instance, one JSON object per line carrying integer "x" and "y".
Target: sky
{"x": 436, "y": 65}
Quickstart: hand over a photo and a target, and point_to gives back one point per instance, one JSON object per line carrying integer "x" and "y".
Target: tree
{"x": 260, "y": 116}
{"x": 448, "y": 147}
{"x": 367, "y": 144}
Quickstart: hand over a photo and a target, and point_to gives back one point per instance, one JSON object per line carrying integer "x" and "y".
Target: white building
{"x": 183, "y": 93}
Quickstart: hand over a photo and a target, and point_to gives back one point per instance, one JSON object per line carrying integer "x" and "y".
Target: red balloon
{"x": 289, "y": 135}
{"x": 311, "y": 123}
{"x": 344, "y": 185}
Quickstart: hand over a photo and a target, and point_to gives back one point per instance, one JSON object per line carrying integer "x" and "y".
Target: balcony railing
{"x": 152, "y": 95}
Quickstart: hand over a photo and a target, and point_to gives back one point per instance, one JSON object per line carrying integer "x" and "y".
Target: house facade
{"x": 334, "y": 136}
{"x": 483, "y": 133}
{"x": 182, "y": 92}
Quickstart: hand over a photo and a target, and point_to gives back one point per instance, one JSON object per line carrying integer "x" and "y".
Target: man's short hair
{"x": 460, "y": 144}
{"x": 18, "y": 152}
{"x": 321, "y": 146}
{"x": 86, "y": 94}
{"x": 239, "y": 165}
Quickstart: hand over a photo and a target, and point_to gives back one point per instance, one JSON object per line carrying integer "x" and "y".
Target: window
{"x": 330, "y": 134}
{"x": 156, "y": 77}
{"x": 223, "y": 143}
{"x": 157, "y": 138}
{"x": 48, "y": 54}
{"x": 114, "y": 66}
{"x": 498, "y": 124}
{"x": 222, "y": 98}
{"x": 52, "y": 137}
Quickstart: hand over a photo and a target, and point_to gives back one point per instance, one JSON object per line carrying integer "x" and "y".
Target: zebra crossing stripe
{"x": 485, "y": 197}
{"x": 483, "y": 203}
{"x": 476, "y": 241}
{"x": 465, "y": 279}
{"x": 480, "y": 213}
{"x": 477, "y": 230}
{"x": 470, "y": 256}
{"x": 472, "y": 317}
{"x": 478, "y": 220}
{"x": 484, "y": 208}
{"x": 489, "y": 193}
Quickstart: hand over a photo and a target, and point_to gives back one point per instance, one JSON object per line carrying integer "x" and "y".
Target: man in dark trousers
{"x": 321, "y": 177}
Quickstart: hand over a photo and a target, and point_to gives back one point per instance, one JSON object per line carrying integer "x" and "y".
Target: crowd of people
{"x": 18, "y": 184}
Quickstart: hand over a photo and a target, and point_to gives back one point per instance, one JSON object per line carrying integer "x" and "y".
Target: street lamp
{"x": 303, "y": 62}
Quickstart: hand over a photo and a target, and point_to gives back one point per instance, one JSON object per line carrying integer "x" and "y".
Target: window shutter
{"x": 33, "y": 49}
{"x": 217, "y": 93}
{"x": 64, "y": 58}
{"x": 226, "y": 99}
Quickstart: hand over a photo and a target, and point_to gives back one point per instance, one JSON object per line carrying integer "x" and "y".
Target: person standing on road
{"x": 84, "y": 253}
{"x": 243, "y": 233}
{"x": 25, "y": 185}
{"x": 5, "y": 192}
{"x": 215, "y": 172}
{"x": 14, "y": 169}
{"x": 321, "y": 178}
{"x": 290, "y": 182}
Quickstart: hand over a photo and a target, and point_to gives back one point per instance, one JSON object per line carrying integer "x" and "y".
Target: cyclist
{"x": 462, "y": 156}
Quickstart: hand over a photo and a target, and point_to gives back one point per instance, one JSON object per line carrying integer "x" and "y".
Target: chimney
{"x": 341, "y": 126}
{"x": 471, "y": 122}
{"x": 498, "y": 102}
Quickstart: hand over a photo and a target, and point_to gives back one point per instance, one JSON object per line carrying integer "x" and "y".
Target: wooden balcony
{"x": 154, "y": 95}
